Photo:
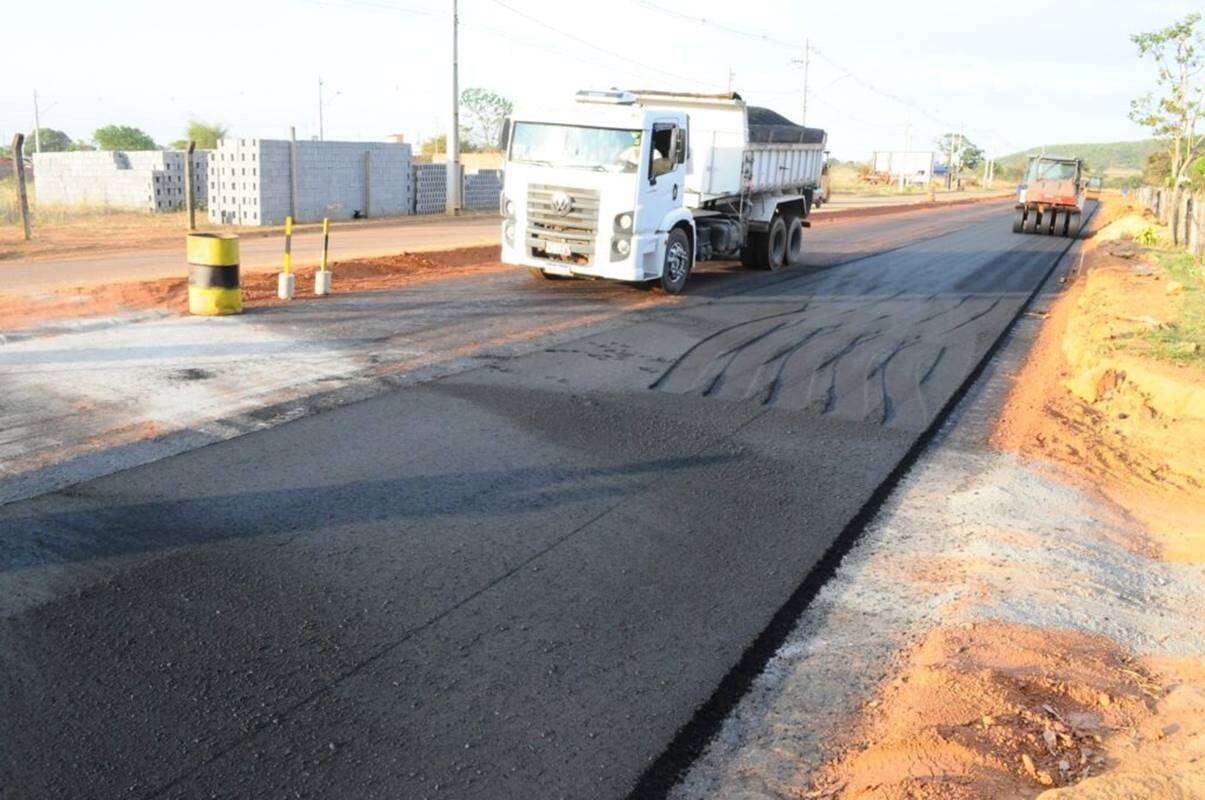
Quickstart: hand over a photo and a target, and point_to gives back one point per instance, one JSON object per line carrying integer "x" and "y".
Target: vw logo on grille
{"x": 562, "y": 203}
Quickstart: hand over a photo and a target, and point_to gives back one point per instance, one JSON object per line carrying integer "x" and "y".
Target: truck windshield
{"x": 602, "y": 149}
{"x": 1051, "y": 171}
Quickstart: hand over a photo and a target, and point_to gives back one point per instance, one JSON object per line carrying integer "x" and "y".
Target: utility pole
{"x": 454, "y": 180}
{"x": 806, "y": 61}
{"x": 37, "y": 125}
{"x": 320, "y": 136}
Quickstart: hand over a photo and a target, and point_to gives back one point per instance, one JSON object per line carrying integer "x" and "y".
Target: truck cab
{"x": 592, "y": 191}
{"x": 636, "y": 187}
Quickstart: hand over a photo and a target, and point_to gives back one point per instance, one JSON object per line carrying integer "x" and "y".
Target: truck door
{"x": 666, "y": 173}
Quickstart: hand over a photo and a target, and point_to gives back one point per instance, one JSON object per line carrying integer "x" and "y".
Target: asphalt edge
{"x": 693, "y": 738}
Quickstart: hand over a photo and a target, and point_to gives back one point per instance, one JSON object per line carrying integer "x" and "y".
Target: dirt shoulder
{"x": 1113, "y": 394}
{"x": 170, "y": 295}
{"x": 1111, "y": 398}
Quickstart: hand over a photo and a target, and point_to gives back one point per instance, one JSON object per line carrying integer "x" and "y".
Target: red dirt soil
{"x": 1108, "y": 419}
{"x": 170, "y": 295}
{"x": 995, "y": 710}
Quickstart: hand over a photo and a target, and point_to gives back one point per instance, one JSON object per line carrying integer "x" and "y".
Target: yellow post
{"x": 322, "y": 278}
{"x": 288, "y": 245}
{"x": 326, "y": 240}
{"x": 286, "y": 282}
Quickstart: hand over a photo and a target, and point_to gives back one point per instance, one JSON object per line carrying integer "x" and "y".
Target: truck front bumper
{"x": 642, "y": 263}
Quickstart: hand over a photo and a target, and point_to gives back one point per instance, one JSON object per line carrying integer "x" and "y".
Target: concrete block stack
{"x": 482, "y": 190}
{"x": 250, "y": 181}
{"x": 150, "y": 180}
{"x": 430, "y": 188}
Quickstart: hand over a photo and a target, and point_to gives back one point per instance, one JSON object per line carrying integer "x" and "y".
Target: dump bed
{"x": 727, "y": 136}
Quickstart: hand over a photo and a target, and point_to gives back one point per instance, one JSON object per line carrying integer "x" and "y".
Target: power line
{"x": 593, "y": 46}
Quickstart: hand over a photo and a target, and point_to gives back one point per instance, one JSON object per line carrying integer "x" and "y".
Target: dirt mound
{"x": 170, "y": 295}
{"x": 998, "y": 711}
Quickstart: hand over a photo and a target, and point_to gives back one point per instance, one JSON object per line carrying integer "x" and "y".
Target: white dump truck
{"x": 639, "y": 185}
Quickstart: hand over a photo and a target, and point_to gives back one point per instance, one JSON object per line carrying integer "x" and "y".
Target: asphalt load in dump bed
{"x": 518, "y": 581}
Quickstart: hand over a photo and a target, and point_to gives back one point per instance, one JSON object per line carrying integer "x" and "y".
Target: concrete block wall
{"x": 250, "y": 181}
{"x": 482, "y": 190}
{"x": 430, "y": 188}
{"x": 150, "y": 180}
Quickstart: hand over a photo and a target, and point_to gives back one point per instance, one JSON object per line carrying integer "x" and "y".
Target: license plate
{"x": 558, "y": 248}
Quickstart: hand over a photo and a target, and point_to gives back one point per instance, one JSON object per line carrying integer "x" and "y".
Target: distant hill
{"x": 1109, "y": 157}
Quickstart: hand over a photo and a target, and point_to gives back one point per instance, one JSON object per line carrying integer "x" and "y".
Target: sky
{"x": 881, "y": 75}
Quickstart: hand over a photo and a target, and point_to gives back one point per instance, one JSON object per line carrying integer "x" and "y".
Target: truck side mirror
{"x": 504, "y": 136}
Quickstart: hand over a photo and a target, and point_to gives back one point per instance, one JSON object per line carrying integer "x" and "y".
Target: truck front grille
{"x": 576, "y": 230}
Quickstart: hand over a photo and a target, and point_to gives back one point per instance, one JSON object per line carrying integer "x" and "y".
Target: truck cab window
{"x": 663, "y": 160}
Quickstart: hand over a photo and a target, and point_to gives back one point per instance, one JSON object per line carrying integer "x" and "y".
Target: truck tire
{"x": 754, "y": 249}
{"x": 776, "y": 244}
{"x": 794, "y": 252}
{"x": 1032, "y": 219}
{"x": 676, "y": 269}
{"x": 1019, "y": 220}
{"x": 1073, "y": 223}
{"x": 1053, "y": 225}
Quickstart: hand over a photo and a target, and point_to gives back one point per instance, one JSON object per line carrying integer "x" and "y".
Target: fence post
{"x": 292, "y": 173}
{"x": 19, "y": 170}
{"x": 189, "y": 177}
{"x": 367, "y": 183}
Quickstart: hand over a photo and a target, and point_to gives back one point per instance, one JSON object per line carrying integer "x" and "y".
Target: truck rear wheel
{"x": 754, "y": 249}
{"x": 1053, "y": 225}
{"x": 776, "y": 244}
{"x": 1073, "y": 223}
{"x": 794, "y": 251}
{"x": 676, "y": 269}
{"x": 1032, "y": 219}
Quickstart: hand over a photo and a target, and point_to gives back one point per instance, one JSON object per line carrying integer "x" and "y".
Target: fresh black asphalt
{"x": 519, "y": 581}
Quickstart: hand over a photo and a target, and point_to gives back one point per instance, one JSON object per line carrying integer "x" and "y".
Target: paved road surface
{"x": 518, "y": 581}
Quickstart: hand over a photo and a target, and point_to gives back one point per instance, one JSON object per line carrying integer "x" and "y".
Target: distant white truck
{"x": 638, "y": 186}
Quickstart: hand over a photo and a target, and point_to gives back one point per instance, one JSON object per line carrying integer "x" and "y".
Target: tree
{"x": 439, "y": 144}
{"x": 1179, "y": 54}
{"x": 123, "y": 137}
{"x": 205, "y": 134}
{"x": 485, "y": 113}
{"x": 52, "y": 141}
{"x": 965, "y": 154}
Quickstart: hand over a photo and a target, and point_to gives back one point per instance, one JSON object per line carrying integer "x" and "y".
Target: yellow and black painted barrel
{"x": 213, "y": 280}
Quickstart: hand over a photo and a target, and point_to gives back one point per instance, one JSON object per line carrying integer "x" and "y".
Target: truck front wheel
{"x": 676, "y": 268}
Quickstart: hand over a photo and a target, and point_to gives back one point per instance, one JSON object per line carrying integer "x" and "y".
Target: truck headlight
{"x": 623, "y": 222}
{"x": 621, "y": 246}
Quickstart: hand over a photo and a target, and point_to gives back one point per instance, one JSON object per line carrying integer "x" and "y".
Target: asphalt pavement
{"x": 517, "y": 581}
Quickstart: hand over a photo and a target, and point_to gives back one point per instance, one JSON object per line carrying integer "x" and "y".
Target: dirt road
{"x": 519, "y": 580}
{"x": 348, "y": 241}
